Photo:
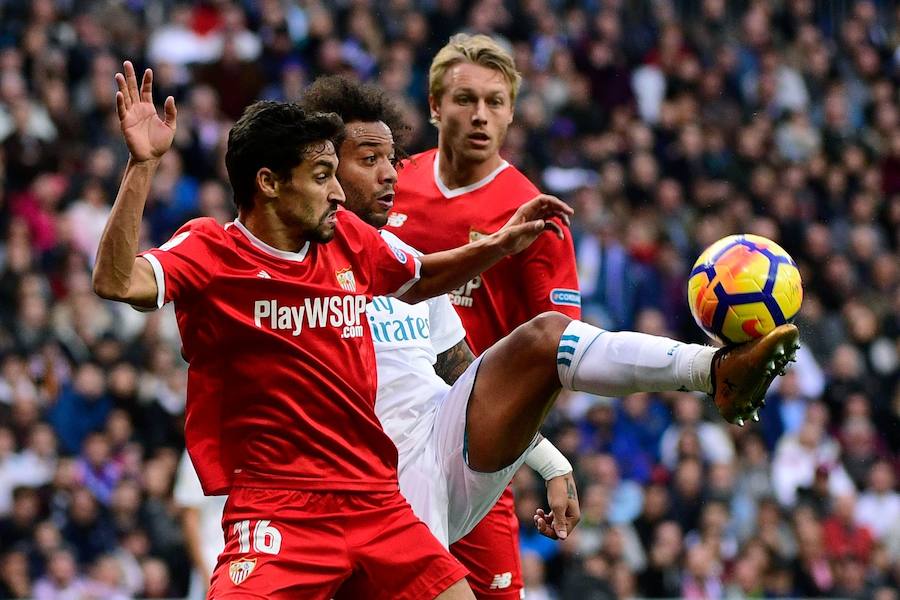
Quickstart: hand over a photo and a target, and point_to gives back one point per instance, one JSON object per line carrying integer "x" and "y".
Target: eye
{"x": 321, "y": 177}
{"x": 497, "y": 101}
{"x": 463, "y": 100}
{"x": 394, "y": 160}
{"x": 370, "y": 160}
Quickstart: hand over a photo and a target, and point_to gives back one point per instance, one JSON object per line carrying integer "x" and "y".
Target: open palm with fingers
{"x": 148, "y": 137}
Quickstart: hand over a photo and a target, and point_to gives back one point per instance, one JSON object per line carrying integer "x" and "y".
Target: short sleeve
{"x": 549, "y": 275}
{"x": 187, "y": 262}
{"x": 446, "y": 328}
{"x": 394, "y": 269}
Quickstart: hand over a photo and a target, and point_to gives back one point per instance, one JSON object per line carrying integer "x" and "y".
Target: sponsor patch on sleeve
{"x": 400, "y": 254}
{"x": 564, "y": 297}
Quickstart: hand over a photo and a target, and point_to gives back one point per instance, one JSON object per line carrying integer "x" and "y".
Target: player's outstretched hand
{"x": 565, "y": 512}
{"x": 533, "y": 218}
{"x": 148, "y": 137}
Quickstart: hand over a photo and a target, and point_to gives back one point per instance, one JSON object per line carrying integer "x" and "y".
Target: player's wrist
{"x": 548, "y": 461}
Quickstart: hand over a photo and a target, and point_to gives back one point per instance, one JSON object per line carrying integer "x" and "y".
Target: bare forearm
{"x": 453, "y": 362}
{"x": 119, "y": 242}
{"x": 443, "y": 272}
{"x": 190, "y": 521}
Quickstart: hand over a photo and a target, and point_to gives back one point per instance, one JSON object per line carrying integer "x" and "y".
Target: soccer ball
{"x": 742, "y": 287}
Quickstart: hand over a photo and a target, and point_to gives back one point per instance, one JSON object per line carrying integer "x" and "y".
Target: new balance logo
{"x": 396, "y": 219}
{"x": 263, "y": 275}
{"x": 501, "y": 581}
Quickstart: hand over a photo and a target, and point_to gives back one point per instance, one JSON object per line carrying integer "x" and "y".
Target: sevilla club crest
{"x": 241, "y": 569}
{"x": 346, "y": 279}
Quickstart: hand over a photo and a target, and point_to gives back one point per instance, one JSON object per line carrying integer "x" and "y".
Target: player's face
{"x": 309, "y": 199}
{"x": 367, "y": 172}
{"x": 474, "y": 112}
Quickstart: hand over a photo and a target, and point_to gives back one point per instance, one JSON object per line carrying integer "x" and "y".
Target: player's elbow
{"x": 106, "y": 288}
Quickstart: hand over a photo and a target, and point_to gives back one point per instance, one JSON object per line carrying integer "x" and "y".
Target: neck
{"x": 457, "y": 172}
{"x": 269, "y": 229}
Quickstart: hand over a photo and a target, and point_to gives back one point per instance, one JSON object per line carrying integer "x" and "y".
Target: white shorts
{"x": 435, "y": 478}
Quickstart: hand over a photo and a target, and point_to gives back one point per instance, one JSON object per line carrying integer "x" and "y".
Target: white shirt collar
{"x": 448, "y": 193}
{"x": 283, "y": 254}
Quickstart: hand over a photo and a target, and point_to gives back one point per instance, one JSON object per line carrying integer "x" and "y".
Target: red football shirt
{"x": 432, "y": 218}
{"x": 281, "y": 383}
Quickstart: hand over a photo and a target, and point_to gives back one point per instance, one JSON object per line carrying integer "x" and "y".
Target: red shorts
{"x": 491, "y": 553}
{"x": 302, "y": 544}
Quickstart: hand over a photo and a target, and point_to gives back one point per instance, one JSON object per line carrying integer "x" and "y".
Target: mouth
{"x": 331, "y": 217}
{"x": 479, "y": 139}
{"x": 386, "y": 201}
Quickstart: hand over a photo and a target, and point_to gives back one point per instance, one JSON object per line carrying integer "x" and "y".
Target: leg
{"x": 458, "y": 591}
{"x": 281, "y": 544}
{"x": 491, "y": 553}
{"x": 519, "y": 377}
{"x": 516, "y": 385}
{"x": 393, "y": 554}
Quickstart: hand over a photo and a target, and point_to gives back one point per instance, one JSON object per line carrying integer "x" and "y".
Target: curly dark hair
{"x": 277, "y": 135}
{"x": 355, "y": 101}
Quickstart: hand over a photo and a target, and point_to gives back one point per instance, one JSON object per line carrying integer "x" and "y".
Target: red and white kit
{"x": 430, "y": 217}
{"x": 280, "y": 412}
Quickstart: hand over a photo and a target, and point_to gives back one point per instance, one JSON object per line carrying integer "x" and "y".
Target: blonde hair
{"x": 476, "y": 49}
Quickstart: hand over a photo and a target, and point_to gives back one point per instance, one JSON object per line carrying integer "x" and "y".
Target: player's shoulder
{"x": 396, "y": 242}
{"x": 204, "y": 225}
{"x": 206, "y": 229}
{"x": 515, "y": 186}
{"x": 417, "y": 167}
{"x": 353, "y": 230}
{"x": 420, "y": 160}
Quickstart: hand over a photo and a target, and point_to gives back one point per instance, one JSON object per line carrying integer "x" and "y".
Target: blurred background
{"x": 667, "y": 124}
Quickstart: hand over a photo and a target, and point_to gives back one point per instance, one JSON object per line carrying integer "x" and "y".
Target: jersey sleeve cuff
{"x": 160, "y": 283}
{"x": 405, "y": 287}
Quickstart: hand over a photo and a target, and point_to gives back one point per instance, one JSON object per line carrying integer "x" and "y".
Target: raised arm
{"x": 445, "y": 271}
{"x": 453, "y": 362}
{"x": 118, "y": 274}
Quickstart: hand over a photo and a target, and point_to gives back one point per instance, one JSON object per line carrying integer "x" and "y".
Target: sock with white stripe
{"x": 616, "y": 363}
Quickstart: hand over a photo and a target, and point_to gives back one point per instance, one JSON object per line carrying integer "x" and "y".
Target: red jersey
{"x": 432, "y": 218}
{"x": 281, "y": 383}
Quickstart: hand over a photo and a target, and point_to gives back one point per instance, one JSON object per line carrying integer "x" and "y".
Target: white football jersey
{"x": 408, "y": 338}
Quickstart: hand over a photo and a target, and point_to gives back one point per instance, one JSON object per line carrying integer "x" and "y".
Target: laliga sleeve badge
{"x": 239, "y": 570}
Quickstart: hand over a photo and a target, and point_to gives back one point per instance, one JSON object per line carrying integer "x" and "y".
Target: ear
{"x": 267, "y": 183}
{"x": 434, "y": 107}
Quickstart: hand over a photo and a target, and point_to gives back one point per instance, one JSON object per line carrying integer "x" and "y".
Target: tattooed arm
{"x": 451, "y": 363}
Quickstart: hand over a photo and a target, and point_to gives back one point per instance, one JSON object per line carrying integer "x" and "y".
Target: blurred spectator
{"x": 714, "y": 444}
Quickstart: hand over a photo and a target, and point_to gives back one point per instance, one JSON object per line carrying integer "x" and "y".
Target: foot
{"x": 742, "y": 373}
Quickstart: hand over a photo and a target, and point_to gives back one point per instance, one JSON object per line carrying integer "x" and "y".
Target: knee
{"x": 542, "y": 333}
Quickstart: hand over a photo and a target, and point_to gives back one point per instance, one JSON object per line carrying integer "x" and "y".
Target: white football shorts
{"x": 435, "y": 478}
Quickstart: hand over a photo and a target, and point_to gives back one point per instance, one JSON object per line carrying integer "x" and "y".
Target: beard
{"x": 324, "y": 231}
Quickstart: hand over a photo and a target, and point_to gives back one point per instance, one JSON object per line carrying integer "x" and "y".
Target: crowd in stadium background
{"x": 666, "y": 124}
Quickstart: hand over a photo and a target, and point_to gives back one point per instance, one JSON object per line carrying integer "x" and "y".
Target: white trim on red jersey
{"x": 448, "y": 193}
{"x": 283, "y": 254}
{"x": 160, "y": 279}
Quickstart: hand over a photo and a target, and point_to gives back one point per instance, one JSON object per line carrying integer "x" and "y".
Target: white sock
{"x": 616, "y": 363}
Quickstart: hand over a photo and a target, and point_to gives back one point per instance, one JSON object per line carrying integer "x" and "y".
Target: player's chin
{"x": 480, "y": 154}
{"x": 378, "y": 219}
{"x": 324, "y": 233}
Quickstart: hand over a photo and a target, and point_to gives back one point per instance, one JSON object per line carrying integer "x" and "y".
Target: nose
{"x": 388, "y": 174}
{"x": 337, "y": 193}
{"x": 479, "y": 115}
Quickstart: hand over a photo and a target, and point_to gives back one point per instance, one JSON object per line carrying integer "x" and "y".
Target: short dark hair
{"x": 274, "y": 135}
{"x": 355, "y": 101}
